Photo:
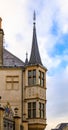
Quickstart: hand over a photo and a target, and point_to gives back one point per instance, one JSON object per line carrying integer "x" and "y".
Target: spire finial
{"x": 26, "y": 55}
{"x": 34, "y": 17}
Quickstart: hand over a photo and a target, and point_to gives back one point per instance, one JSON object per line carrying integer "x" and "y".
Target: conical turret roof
{"x": 35, "y": 55}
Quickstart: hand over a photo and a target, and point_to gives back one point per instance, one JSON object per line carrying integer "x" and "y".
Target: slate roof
{"x": 10, "y": 60}
{"x": 35, "y": 55}
{"x": 61, "y": 126}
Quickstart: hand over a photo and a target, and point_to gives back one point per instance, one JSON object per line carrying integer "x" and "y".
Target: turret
{"x": 35, "y": 87}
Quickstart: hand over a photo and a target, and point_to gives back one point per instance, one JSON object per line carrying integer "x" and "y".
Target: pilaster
{"x": 25, "y": 125}
{"x": 1, "y": 117}
{"x": 17, "y": 120}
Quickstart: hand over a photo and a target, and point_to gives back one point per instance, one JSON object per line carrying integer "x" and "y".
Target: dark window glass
{"x": 29, "y": 73}
{"x": 29, "y": 110}
{"x": 29, "y": 105}
{"x": 34, "y": 81}
{"x": 42, "y": 75}
{"x": 32, "y": 110}
{"x": 29, "y": 113}
{"x": 34, "y": 113}
{"x": 34, "y": 105}
{"x": 30, "y": 81}
{"x": 32, "y": 77}
{"x": 34, "y": 73}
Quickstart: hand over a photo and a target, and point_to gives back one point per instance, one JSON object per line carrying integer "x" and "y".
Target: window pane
{"x": 34, "y": 105}
{"x": 42, "y": 82}
{"x": 34, "y": 81}
{"x": 29, "y": 73}
{"x": 42, "y": 114}
{"x": 41, "y": 110}
{"x": 30, "y": 81}
{"x": 41, "y": 78}
{"x": 39, "y": 73}
{"x": 42, "y": 75}
{"x": 32, "y": 77}
{"x": 34, "y": 73}
{"x": 29, "y": 113}
{"x": 43, "y": 106}
{"x": 29, "y": 105}
{"x": 39, "y": 105}
{"x": 31, "y": 109}
{"x": 34, "y": 113}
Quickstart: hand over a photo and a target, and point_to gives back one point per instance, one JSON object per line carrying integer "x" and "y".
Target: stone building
{"x": 22, "y": 88}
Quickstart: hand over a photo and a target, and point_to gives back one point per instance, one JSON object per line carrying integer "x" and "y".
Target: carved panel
{"x": 35, "y": 92}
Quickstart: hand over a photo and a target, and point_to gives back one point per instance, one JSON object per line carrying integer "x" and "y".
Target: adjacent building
{"x": 61, "y": 126}
{"x": 23, "y": 87}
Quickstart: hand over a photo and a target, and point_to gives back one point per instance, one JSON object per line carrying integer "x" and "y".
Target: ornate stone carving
{"x": 8, "y": 111}
{"x": 29, "y": 92}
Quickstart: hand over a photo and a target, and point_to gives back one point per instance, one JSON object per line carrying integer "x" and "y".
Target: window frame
{"x": 31, "y": 110}
{"x": 32, "y": 77}
{"x": 12, "y": 80}
{"x": 41, "y": 110}
{"x": 41, "y": 78}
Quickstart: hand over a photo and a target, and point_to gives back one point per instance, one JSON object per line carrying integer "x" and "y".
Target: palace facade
{"x": 22, "y": 88}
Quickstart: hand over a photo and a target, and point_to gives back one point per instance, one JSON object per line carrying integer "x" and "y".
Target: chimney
{"x": 1, "y": 43}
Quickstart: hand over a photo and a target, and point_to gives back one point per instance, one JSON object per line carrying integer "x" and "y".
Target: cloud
{"x": 62, "y": 17}
{"x": 16, "y": 27}
{"x": 57, "y": 97}
{"x": 52, "y": 35}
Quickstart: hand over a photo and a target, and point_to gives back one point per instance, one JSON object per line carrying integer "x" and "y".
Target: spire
{"x": 35, "y": 55}
{"x": 26, "y": 61}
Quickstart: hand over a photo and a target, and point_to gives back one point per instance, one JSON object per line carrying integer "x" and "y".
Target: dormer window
{"x": 31, "y": 77}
